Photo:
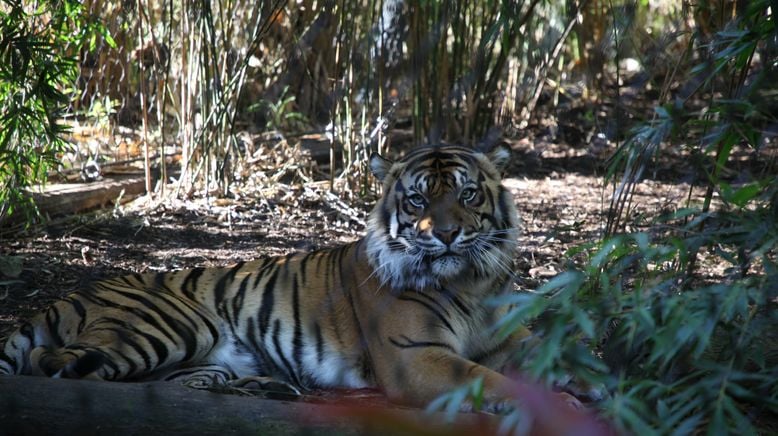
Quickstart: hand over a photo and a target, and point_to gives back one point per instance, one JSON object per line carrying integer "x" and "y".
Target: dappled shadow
{"x": 68, "y": 254}
{"x": 540, "y": 155}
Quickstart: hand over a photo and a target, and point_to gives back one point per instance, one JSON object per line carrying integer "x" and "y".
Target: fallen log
{"x": 69, "y": 198}
{"x": 60, "y": 199}
{"x": 41, "y": 406}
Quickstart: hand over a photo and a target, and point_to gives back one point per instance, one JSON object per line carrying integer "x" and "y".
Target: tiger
{"x": 403, "y": 309}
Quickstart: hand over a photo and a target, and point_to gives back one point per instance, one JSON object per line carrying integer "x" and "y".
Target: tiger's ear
{"x": 380, "y": 166}
{"x": 494, "y": 149}
{"x": 499, "y": 156}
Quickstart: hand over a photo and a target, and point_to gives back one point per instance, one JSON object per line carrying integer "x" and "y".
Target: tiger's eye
{"x": 417, "y": 200}
{"x": 468, "y": 194}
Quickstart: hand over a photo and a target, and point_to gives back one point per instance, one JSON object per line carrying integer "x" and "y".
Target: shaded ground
{"x": 71, "y": 252}
{"x": 559, "y": 194}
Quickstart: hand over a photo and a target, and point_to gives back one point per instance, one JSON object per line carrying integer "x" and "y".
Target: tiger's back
{"x": 277, "y": 316}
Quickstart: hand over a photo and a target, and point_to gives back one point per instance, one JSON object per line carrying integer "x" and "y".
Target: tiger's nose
{"x": 446, "y": 235}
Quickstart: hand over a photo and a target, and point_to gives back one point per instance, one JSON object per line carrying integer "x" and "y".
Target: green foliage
{"x": 678, "y": 357}
{"x": 697, "y": 358}
{"x": 281, "y": 115}
{"x": 681, "y": 352}
{"x": 451, "y": 402}
{"x": 725, "y": 108}
{"x": 36, "y": 79}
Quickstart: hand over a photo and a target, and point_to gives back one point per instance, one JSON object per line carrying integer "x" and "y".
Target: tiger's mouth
{"x": 448, "y": 254}
{"x": 446, "y": 264}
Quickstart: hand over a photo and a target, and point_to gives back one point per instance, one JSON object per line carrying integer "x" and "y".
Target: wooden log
{"x": 41, "y": 406}
{"x": 69, "y": 198}
{"x": 58, "y": 199}
{"x": 319, "y": 146}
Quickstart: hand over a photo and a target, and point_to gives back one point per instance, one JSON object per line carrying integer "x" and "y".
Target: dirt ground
{"x": 558, "y": 189}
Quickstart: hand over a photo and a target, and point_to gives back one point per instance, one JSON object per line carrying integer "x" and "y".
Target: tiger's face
{"x": 444, "y": 218}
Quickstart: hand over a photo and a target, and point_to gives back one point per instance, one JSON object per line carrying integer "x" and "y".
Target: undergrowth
{"x": 678, "y": 322}
{"x": 36, "y": 80}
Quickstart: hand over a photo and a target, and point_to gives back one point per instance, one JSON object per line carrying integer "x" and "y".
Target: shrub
{"x": 36, "y": 80}
{"x": 682, "y": 345}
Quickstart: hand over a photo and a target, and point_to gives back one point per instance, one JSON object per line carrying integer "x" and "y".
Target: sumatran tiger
{"x": 403, "y": 309}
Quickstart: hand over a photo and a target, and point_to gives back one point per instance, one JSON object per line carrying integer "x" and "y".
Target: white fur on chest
{"x": 334, "y": 370}
{"x": 226, "y": 354}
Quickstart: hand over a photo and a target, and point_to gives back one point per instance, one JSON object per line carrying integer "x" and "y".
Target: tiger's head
{"x": 444, "y": 218}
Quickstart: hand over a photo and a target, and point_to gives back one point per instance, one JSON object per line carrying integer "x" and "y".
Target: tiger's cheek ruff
{"x": 391, "y": 248}
{"x": 395, "y": 260}
{"x": 493, "y": 248}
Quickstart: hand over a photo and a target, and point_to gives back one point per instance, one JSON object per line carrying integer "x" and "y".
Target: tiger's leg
{"x": 503, "y": 357}
{"x": 118, "y": 356}
{"x": 505, "y": 360}
{"x": 73, "y": 361}
{"x": 119, "y": 331}
{"x": 217, "y": 376}
{"x": 201, "y": 376}
{"x": 106, "y": 349}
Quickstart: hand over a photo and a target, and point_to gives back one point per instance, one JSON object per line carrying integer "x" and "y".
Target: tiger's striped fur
{"x": 401, "y": 309}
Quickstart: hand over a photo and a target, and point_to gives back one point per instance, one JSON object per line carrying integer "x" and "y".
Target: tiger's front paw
{"x": 570, "y": 401}
{"x": 580, "y": 389}
{"x": 497, "y": 407}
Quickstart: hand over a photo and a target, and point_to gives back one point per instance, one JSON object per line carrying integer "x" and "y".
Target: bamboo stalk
{"x": 547, "y": 63}
{"x": 144, "y": 104}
